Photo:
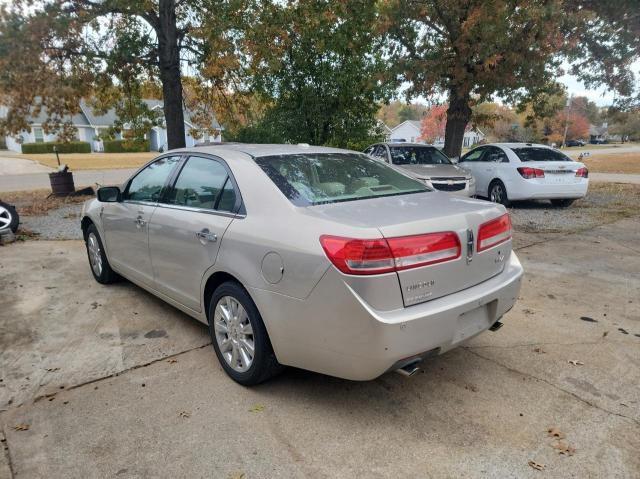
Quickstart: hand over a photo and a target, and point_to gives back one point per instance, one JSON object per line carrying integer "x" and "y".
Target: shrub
{"x": 47, "y": 147}
{"x": 125, "y": 146}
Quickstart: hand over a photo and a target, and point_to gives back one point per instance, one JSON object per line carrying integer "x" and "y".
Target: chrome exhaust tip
{"x": 409, "y": 369}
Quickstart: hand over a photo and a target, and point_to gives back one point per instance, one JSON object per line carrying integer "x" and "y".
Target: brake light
{"x": 582, "y": 172}
{"x": 494, "y": 232}
{"x": 375, "y": 256}
{"x": 528, "y": 173}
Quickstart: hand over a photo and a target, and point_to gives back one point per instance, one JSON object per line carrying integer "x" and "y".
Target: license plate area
{"x": 475, "y": 321}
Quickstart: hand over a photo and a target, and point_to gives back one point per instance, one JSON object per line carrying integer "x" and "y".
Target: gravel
{"x": 59, "y": 224}
{"x": 603, "y": 204}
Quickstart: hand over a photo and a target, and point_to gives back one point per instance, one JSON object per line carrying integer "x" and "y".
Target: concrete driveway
{"x": 19, "y": 166}
{"x": 112, "y": 382}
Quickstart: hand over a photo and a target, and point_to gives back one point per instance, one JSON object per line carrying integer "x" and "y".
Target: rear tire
{"x": 236, "y": 327}
{"x": 98, "y": 262}
{"x": 562, "y": 203}
{"x": 498, "y": 193}
{"x": 9, "y": 218}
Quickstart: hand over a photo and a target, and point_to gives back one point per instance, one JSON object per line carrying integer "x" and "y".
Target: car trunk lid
{"x": 418, "y": 214}
{"x": 558, "y": 172}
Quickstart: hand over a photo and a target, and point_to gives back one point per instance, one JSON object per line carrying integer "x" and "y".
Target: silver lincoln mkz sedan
{"x": 318, "y": 258}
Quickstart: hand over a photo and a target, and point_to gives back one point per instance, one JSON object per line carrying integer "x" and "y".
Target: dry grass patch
{"x": 39, "y": 202}
{"x": 614, "y": 163}
{"x": 93, "y": 161}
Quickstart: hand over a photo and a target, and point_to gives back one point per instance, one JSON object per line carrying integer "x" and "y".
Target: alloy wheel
{"x": 95, "y": 255}
{"x": 5, "y": 218}
{"x": 497, "y": 193}
{"x": 234, "y": 333}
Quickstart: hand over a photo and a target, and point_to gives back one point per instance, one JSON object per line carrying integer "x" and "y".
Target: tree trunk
{"x": 458, "y": 116}
{"x": 169, "y": 63}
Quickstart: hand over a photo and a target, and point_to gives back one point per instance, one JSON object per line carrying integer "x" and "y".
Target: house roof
{"x": 414, "y": 123}
{"x": 87, "y": 117}
{"x": 77, "y": 119}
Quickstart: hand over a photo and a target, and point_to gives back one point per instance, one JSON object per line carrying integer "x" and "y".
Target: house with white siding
{"x": 89, "y": 126}
{"x": 410, "y": 132}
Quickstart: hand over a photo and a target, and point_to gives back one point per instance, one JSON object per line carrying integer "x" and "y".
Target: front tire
{"x": 9, "y": 218}
{"x": 98, "y": 261}
{"x": 498, "y": 193}
{"x": 239, "y": 337}
{"x": 562, "y": 203}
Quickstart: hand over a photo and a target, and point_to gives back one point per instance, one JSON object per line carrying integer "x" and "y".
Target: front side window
{"x": 201, "y": 184}
{"x": 473, "y": 155}
{"x": 530, "y": 153}
{"x": 417, "y": 155}
{"x": 312, "y": 179}
{"x": 148, "y": 184}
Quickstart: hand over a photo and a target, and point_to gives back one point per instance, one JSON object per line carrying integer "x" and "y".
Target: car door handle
{"x": 206, "y": 235}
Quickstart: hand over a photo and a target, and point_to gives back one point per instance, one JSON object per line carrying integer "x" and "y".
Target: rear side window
{"x": 148, "y": 184}
{"x": 312, "y": 179}
{"x": 539, "y": 154}
{"x": 202, "y": 184}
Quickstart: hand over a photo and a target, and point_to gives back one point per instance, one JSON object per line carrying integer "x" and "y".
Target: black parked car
{"x": 575, "y": 143}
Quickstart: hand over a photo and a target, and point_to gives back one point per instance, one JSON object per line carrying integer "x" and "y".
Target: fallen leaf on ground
{"x": 471, "y": 387}
{"x": 564, "y": 448}
{"x": 575, "y": 362}
{"x": 53, "y": 369}
{"x": 172, "y": 360}
{"x": 604, "y": 335}
{"x": 257, "y": 408}
{"x": 555, "y": 432}
{"x": 536, "y": 465}
{"x": 539, "y": 350}
{"x": 237, "y": 475}
{"x": 184, "y": 414}
{"x": 588, "y": 319}
{"x": 21, "y": 427}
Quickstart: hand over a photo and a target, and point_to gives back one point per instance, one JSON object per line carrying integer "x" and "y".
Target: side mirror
{"x": 109, "y": 194}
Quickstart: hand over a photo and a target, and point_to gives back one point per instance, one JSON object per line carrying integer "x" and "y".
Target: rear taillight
{"x": 494, "y": 232}
{"x": 375, "y": 256}
{"x": 529, "y": 173}
{"x": 582, "y": 172}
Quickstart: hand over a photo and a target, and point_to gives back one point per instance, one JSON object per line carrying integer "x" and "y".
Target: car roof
{"x": 257, "y": 150}
{"x": 404, "y": 143}
{"x": 518, "y": 145}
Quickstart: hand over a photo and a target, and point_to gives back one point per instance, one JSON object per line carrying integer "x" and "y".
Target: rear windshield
{"x": 417, "y": 155}
{"x": 320, "y": 178}
{"x": 540, "y": 154}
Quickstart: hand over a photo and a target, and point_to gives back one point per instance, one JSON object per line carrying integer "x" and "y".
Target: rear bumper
{"x": 536, "y": 190}
{"x": 335, "y": 332}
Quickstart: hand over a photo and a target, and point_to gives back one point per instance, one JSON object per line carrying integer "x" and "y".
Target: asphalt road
{"x": 104, "y": 381}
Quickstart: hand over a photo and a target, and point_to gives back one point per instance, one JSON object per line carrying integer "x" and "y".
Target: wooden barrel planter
{"x": 62, "y": 183}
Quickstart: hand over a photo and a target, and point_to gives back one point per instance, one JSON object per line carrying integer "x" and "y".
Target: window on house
{"x": 38, "y": 135}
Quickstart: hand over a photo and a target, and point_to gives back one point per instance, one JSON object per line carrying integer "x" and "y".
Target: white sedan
{"x": 506, "y": 172}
